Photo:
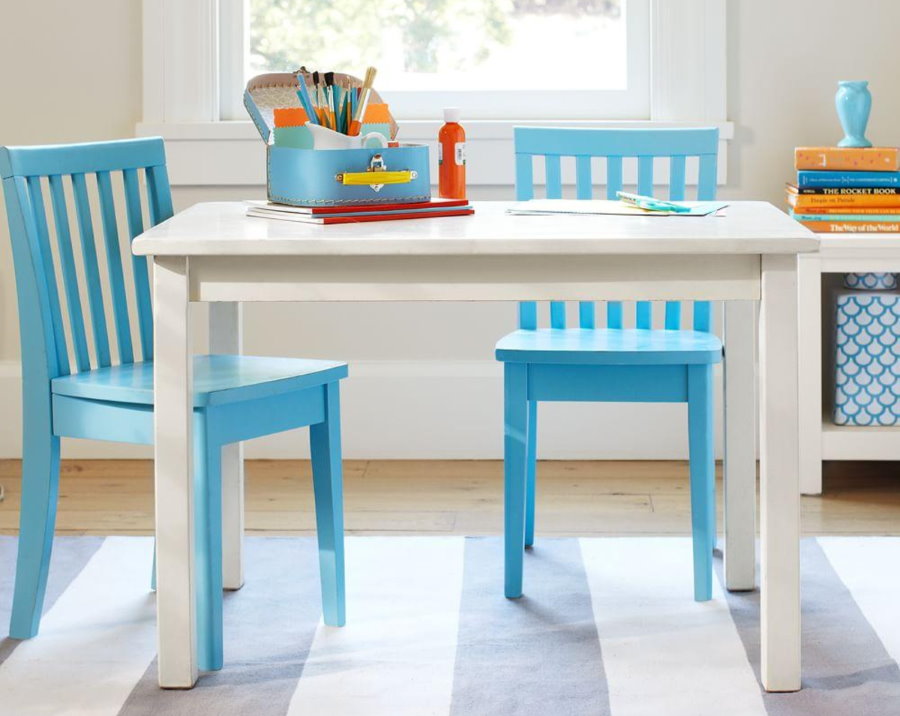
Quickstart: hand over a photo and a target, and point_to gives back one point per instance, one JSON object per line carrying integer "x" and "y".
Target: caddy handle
{"x": 377, "y": 177}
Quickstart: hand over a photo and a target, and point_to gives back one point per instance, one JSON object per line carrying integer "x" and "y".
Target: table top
{"x": 223, "y": 229}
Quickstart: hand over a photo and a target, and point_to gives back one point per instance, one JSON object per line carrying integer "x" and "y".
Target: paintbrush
{"x": 356, "y": 124}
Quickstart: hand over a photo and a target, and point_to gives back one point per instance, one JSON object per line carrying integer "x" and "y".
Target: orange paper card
{"x": 290, "y": 117}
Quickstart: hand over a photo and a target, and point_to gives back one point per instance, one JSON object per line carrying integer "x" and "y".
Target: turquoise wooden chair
{"x": 612, "y": 364}
{"x": 108, "y": 393}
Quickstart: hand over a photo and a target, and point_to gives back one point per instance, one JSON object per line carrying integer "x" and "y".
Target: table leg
{"x": 779, "y": 479}
{"x": 740, "y": 445}
{"x": 809, "y": 397}
{"x": 226, "y": 336}
{"x": 175, "y": 569}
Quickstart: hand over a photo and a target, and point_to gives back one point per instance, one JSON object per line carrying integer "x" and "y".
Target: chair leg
{"x": 531, "y": 470}
{"x": 515, "y": 418}
{"x": 208, "y": 539}
{"x": 40, "y": 490}
{"x": 703, "y": 504}
{"x": 325, "y": 450}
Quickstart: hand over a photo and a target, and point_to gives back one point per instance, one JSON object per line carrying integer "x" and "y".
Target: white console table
{"x": 820, "y": 438}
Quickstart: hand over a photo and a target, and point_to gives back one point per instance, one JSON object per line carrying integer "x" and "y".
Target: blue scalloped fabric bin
{"x": 871, "y": 281}
{"x": 867, "y": 358}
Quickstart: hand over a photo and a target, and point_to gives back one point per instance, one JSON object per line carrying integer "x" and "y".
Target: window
{"x": 493, "y": 58}
{"x": 566, "y": 62}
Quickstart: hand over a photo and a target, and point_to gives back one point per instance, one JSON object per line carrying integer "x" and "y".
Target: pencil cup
{"x": 324, "y": 138}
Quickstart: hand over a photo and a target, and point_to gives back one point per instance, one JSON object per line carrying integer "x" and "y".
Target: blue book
{"x": 838, "y": 179}
{"x": 846, "y": 217}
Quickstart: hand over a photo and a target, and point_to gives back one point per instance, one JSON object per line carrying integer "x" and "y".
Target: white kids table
{"x": 212, "y": 252}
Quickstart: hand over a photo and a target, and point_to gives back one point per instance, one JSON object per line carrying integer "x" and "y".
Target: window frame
{"x": 193, "y": 65}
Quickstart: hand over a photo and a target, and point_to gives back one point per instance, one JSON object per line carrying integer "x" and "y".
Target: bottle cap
{"x": 451, "y": 114}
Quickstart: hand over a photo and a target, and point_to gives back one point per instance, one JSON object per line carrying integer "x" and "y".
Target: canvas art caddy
{"x": 363, "y": 174}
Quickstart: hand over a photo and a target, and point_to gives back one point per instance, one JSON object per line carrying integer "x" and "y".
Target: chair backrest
{"x": 119, "y": 167}
{"x": 645, "y": 145}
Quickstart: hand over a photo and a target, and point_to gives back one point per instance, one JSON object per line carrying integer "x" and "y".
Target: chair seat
{"x": 218, "y": 379}
{"x": 613, "y": 346}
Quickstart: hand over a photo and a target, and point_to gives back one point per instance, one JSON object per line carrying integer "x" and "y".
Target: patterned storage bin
{"x": 871, "y": 281}
{"x": 867, "y": 358}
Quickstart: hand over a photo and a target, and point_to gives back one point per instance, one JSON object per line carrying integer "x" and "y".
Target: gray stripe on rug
{"x": 536, "y": 655}
{"x": 846, "y": 669}
{"x": 269, "y": 626}
{"x": 68, "y": 558}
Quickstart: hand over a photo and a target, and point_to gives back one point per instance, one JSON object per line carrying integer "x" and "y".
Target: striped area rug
{"x": 608, "y": 626}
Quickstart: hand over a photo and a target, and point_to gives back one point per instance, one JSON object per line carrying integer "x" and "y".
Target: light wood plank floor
{"x": 455, "y": 497}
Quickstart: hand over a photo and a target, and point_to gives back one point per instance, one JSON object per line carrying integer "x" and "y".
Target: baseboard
{"x": 429, "y": 410}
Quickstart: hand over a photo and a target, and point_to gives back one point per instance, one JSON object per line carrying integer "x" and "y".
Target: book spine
{"x": 872, "y": 159}
{"x": 845, "y": 217}
{"x": 839, "y": 179}
{"x": 844, "y": 190}
{"x": 862, "y": 211}
{"x": 844, "y": 202}
{"x": 852, "y": 227}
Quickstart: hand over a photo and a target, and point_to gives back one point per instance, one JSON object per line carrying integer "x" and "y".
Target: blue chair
{"x": 612, "y": 364}
{"x": 108, "y": 393}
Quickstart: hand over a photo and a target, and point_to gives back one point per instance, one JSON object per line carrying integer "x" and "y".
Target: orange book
{"x": 870, "y": 159}
{"x": 853, "y": 227}
{"x": 844, "y": 203}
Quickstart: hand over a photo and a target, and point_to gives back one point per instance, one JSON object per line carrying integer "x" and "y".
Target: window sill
{"x": 231, "y": 153}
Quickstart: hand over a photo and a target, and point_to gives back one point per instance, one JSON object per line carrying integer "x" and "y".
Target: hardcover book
{"x": 846, "y": 216}
{"x": 844, "y": 179}
{"x": 844, "y": 190}
{"x": 853, "y": 227}
{"x": 873, "y": 159}
{"x": 845, "y": 204}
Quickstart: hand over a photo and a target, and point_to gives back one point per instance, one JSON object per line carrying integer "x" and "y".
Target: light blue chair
{"x": 612, "y": 364}
{"x": 108, "y": 393}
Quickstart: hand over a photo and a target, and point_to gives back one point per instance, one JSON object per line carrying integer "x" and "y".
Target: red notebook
{"x": 307, "y": 219}
{"x": 435, "y": 203}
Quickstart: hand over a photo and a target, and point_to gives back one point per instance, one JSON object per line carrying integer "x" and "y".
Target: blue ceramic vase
{"x": 853, "y": 102}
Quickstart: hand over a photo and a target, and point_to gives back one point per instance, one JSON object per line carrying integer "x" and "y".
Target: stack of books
{"x": 360, "y": 212}
{"x": 846, "y": 190}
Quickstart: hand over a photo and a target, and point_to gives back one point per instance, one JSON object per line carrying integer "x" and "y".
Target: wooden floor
{"x": 455, "y": 497}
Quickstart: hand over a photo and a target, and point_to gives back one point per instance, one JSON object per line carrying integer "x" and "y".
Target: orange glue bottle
{"x": 452, "y": 157}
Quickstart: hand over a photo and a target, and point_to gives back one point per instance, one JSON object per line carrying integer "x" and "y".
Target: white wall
{"x": 424, "y": 383}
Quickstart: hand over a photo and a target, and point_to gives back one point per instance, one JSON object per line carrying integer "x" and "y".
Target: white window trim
{"x": 187, "y": 65}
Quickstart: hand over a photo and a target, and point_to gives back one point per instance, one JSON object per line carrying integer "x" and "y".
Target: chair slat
{"x": 114, "y": 268}
{"x": 91, "y": 270}
{"x": 159, "y": 194}
{"x": 528, "y": 315}
{"x": 557, "y": 314}
{"x": 613, "y": 176}
{"x": 706, "y": 180}
{"x": 70, "y": 276}
{"x": 643, "y": 315}
{"x": 677, "y": 179}
{"x": 645, "y": 176}
{"x": 614, "y": 314}
{"x": 702, "y": 316}
{"x": 139, "y": 263}
{"x": 673, "y": 315}
{"x": 583, "y": 186}
{"x": 587, "y": 314}
{"x": 554, "y": 177}
{"x": 524, "y": 177}
{"x": 44, "y": 251}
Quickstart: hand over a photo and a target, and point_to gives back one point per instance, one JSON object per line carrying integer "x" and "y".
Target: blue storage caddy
{"x": 867, "y": 357}
{"x": 332, "y": 177}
